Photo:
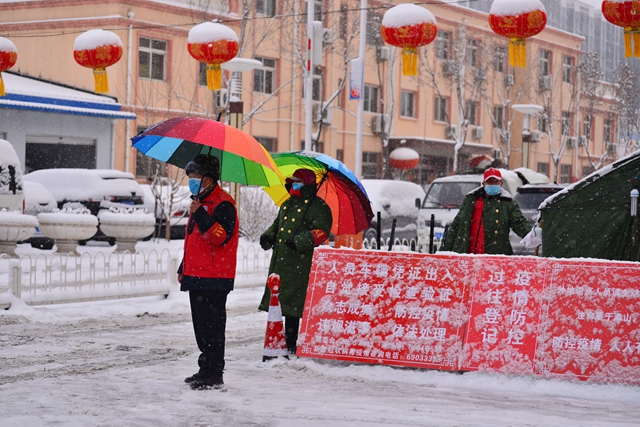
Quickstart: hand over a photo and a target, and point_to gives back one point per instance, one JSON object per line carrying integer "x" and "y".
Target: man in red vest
{"x": 485, "y": 218}
{"x": 208, "y": 268}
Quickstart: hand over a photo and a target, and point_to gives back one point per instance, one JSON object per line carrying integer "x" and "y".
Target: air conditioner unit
{"x": 380, "y": 124}
{"x": 452, "y": 132}
{"x": 505, "y": 137}
{"x": 447, "y": 69}
{"x": 383, "y": 53}
{"x": 572, "y": 142}
{"x": 497, "y": 154}
{"x": 327, "y": 36}
{"x": 612, "y": 148}
{"x": 509, "y": 80}
{"x": 545, "y": 83}
{"x": 477, "y": 133}
{"x": 582, "y": 140}
{"x": 326, "y": 115}
{"x": 535, "y": 136}
{"x": 481, "y": 74}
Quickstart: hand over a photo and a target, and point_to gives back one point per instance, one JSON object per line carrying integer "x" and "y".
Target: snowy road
{"x": 122, "y": 363}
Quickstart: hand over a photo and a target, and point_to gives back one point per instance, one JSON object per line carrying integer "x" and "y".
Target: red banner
{"x": 522, "y": 315}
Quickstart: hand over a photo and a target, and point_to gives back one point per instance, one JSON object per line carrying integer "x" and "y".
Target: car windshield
{"x": 531, "y": 200}
{"x": 447, "y": 195}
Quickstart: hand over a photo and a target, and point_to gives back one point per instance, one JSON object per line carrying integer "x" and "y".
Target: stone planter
{"x": 67, "y": 228}
{"x": 127, "y": 227}
{"x": 15, "y": 227}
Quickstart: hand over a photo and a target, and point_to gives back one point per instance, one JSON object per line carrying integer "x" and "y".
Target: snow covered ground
{"x": 122, "y": 363}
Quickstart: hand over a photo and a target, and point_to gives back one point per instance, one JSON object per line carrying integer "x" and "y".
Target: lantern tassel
{"x": 627, "y": 42}
{"x": 517, "y": 52}
{"x": 409, "y": 61}
{"x": 100, "y": 79}
{"x": 214, "y": 77}
{"x": 636, "y": 43}
{"x": 2, "y": 86}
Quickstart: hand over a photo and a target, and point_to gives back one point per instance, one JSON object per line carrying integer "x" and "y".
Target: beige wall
{"x": 44, "y": 36}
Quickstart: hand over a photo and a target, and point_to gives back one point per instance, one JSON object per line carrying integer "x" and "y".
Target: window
{"x": 607, "y": 130}
{"x": 442, "y": 44}
{"x": 263, "y": 78}
{"x": 340, "y": 155}
{"x": 147, "y": 167}
{"x": 270, "y": 144}
{"x": 586, "y": 127}
{"x": 544, "y": 62}
{"x": 317, "y": 10}
{"x": 587, "y": 170}
{"x": 266, "y": 7}
{"x": 498, "y": 116}
{"x": 472, "y": 112}
{"x": 202, "y": 74}
{"x": 317, "y": 146}
{"x": 440, "y": 109}
{"x": 370, "y": 99}
{"x": 567, "y": 69}
{"x": 374, "y": 22}
{"x": 565, "y": 174}
{"x": 472, "y": 52}
{"x": 370, "y": 163}
{"x": 543, "y": 121}
{"x": 221, "y": 97}
{"x": 543, "y": 168}
{"x": 316, "y": 88}
{"x": 566, "y": 122}
{"x": 407, "y": 102}
{"x": 344, "y": 21}
{"x": 499, "y": 58}
{"x": 151, "y": 58}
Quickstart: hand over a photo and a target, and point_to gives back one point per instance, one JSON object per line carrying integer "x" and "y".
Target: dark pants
{"x": 209, "y": 315}
{"x": 291, "y": 326}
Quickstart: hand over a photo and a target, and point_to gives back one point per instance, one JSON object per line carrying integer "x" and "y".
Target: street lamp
{"x": 236, "y": 107}
{"x": 527, "y": 110}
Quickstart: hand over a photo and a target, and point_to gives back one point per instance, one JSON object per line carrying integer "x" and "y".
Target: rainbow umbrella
{"x": 337, "y": 186}
{"x": 242, "y": 159}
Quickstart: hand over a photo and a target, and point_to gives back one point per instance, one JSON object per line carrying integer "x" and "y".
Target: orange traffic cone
{"x": 274, "y": 341}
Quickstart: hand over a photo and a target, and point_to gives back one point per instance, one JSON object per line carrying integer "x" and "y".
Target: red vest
{"x": 202, "y": 257}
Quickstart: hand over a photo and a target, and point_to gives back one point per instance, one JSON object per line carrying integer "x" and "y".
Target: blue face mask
{"x": 297, "y": 185}
{"x": 492, "y": 190}
{"x": 194, "y": 185}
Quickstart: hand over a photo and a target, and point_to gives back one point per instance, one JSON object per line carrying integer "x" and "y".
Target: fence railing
{"x": 39, "y": 279}
{"x": 410, "y": 245}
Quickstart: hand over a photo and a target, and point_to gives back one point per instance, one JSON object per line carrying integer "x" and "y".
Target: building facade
{"x": 458, "y": 107}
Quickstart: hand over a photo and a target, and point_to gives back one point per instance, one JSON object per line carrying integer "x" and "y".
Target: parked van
{"x": 11, "y": 194}
{"x": 445, "y": 195}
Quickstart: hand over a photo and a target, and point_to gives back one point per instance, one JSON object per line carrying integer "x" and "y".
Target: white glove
{"x": 531, "y": 240}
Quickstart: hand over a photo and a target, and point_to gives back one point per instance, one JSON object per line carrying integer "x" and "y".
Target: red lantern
{"x": 213, "y": 44}
{"x": 517, "y": 19}
{"x": 626, "y": 14}
{"x": 409, "y": 26}
{"x": 98, "y": 49}
{"x": 8, "y": 58}
{"x": 404, "y": 158}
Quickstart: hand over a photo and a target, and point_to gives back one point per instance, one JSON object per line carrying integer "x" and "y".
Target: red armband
{"x": 218, "y": 234}
{"x": 319, "y": 236}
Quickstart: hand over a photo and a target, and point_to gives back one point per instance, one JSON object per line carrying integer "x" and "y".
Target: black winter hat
{"x": 204, "y": 165}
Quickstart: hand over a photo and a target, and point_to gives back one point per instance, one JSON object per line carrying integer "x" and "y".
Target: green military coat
{"x": 296, "y": 218}
{"x": 501, "y": 213}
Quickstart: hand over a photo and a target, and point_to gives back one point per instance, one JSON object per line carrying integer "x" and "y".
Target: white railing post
{"x": 15, "y": 277}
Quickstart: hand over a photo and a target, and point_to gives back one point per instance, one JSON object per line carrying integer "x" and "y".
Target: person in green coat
{"x": 303, "y": 222}
{"x": 486, "y": 215}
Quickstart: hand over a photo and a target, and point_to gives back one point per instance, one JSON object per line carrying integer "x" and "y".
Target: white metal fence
{"x": 39, "y": 279}
{"x": 398, "y": 244}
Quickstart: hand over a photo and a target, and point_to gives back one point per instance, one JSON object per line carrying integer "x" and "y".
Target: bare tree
{"x": 257, "y": 212}
{"x": 625, "y": 105}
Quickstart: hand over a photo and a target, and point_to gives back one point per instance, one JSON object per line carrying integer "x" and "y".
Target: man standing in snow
{"x": 486, "y": 215}
{"x": 208, "y": 268}
{"x": 303, "y": 222}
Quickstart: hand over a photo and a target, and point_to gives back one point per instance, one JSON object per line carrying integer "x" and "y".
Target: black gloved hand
{"x": 289, "y": 242}
{"x": 265, "y": 242}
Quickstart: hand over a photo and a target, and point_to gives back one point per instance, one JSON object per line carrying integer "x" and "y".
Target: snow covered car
{"x": 394, "y": 200}
{"x": 11, "y": 195}
{"x": 94, "y": 189}
{"x": 167, "y": 203}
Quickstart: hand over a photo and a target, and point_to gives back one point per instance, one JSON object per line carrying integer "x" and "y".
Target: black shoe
{"x": 207, "y": 383}
{"x": 192, "y": 378}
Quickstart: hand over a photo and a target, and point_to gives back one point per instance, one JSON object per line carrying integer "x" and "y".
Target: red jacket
{"x": 211, "y": 244}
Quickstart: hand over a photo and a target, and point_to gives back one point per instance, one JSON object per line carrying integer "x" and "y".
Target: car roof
{"x": 541, "y": 188}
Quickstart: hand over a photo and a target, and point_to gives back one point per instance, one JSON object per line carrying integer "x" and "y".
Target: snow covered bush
{"x": 257, "y": 212}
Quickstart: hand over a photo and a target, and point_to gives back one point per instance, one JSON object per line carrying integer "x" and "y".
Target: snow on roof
{"x": 515, "y": 7}
{"x": 25, "y": 93}
{"x": 407, "y": 14}
{"x": 7, "y": 45}
{"x": 211, "y": 32}
{"x": 94, "y": 38}
{"x": 398, "y": 196}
